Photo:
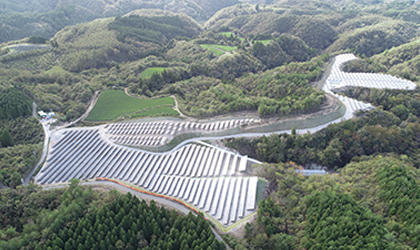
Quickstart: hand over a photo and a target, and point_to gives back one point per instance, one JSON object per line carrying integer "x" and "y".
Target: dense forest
{"x": 370, "y": 204}
{"x": 81, "y": 218}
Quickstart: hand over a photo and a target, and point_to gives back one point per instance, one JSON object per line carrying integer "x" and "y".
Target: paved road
{"x": 44, "y": 150}
{"x": 159, "y": 200}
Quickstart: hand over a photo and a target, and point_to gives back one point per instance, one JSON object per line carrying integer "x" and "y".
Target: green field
{"x": 150, "y": 71}
{"x": 115, "y": 103}
{"x": 263, "y": 41}
{"x": 158, "y": 111}
{"x": 217, "y": 49}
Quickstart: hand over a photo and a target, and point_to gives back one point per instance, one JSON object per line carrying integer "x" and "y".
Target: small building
{"x": 42, "y": 114}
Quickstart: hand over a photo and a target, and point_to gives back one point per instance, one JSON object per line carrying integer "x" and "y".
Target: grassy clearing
{"x": 55, "y": 70}
{"x": 225, "y": 48}
{"x": 228, "y": 34}
{"x": 150, "y": 71}
{"x": 158, "y": 111}
{"x": 264, "y": 41}
{"x": 115, "y": 103}
{"x": 260, "y": 188}
{"x": 218, "y": 49}
{"x": 209, "y": 47}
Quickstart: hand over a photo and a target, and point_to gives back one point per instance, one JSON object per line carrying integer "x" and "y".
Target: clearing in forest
{"x": 150, "y": 71}
{"x": 115, "y": 103}
{"x": 229, "y": 33}
{"x": 218, "y": 49}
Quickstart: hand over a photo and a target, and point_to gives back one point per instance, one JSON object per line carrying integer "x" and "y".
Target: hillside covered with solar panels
{"x": 209, "y": 125}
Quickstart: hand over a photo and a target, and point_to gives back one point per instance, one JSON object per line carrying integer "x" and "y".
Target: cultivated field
{"x": 115, "y": 103}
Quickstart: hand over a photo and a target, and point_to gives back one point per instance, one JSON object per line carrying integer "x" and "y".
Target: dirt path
{"x": 176, "y": 107}
{"x": 81, "y": 118}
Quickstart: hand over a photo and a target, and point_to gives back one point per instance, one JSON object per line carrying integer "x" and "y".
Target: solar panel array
{"x": 158, "y": 133}
{"x": 338, "y": 79}
{"x": 209, "y": 178}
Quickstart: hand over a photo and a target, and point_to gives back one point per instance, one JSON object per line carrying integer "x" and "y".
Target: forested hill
{"x": 19, "y": 19}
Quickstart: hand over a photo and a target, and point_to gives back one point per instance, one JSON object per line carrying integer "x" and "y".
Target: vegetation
{"x": 115, "y": 103}
{"x": 28, "y": 18}
{"x": 278, "y": 50}
{"x": 16, "y": 161}
{"x": 284, "y": 90}
{"x": 14, "y": 103}
{"x": 150, "y": 71}
{"x": 157, "y": 30}
{"x": 78, "y": 217}
{"x": 353, "y": 209}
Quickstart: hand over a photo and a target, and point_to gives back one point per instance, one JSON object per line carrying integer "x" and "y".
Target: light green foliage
{"x": 158, "y": 111}
{"x": 115, "y": 103}
{"x": 150, "y": 71}
{"x": 218, "y": 51}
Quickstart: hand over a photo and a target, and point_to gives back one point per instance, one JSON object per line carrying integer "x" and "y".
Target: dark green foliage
{"x": 375, "y": 39}
{"x": 16, "y": 161}
{"x": 14, "y": 103}
{"x": 336, "y": 220}
{"x": 37, "y": 39}
{"x": 129, "y": 223}
{"x": 6, "y": 139}
{"x": 32, "y": 217}
{"x": 371, "y": 204}
{"x": 401, "y": 192}
{"x": 364, "y": 65}
{"x": 282, "y": 50}
{"x": 159, "y": 29}
{"x": 316, "y": 32}
{"x": 15, "y": 25}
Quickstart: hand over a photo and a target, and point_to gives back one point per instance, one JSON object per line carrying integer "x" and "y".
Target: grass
{"x": 209, "y": 47}
{"x": 150, "y": 71}
{"x": 115, "y": 103}
{"x": 263, "y": 41}
{"x": 260, "y": 188}
{"x": 158, "y": 111}
{"x": 228, "y": 34}
{"x": 225, "y": 48}
{"x": 218, "y": 49}
{"x": 55, "y": 70}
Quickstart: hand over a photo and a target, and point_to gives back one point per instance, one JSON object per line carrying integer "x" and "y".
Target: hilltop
{"x": 45, "y": 18}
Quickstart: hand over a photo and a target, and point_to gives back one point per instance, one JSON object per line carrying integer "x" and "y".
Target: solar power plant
{"x": 158, "y": 133}
{"x": 338, "y": 79}
{"x": 211, "y": 179}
